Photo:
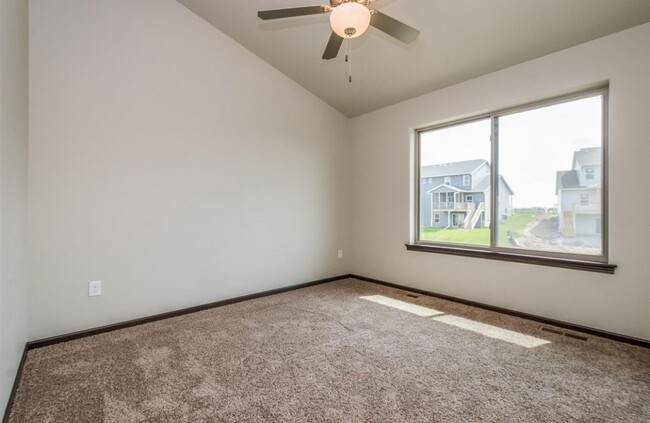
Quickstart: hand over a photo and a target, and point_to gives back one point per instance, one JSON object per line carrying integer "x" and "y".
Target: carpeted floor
{"x": 343, "y": 351}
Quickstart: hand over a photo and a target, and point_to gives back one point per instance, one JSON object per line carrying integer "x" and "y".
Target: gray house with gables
{"x": 579, "y": 194}
{"x": 457, "y": 195}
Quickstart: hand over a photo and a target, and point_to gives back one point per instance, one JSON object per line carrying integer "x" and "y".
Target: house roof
{"x": 449, "y": 169}
{"x": 567, "y": 179}
{"x": 446, "y": 186}
{"x": 591, "y": 156}
{"x": 502, "y": 179}
{"x": 484, "y": 184}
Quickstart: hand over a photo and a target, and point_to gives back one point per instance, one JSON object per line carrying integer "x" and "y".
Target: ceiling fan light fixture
{"x": 350, "y": 19}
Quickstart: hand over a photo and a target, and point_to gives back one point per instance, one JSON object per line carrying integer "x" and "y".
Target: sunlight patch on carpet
{"x": 402, "y": 305}
{"x": 492, "y": 331}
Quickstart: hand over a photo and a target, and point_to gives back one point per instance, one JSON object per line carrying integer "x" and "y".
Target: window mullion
{"x": 494, "y": 180}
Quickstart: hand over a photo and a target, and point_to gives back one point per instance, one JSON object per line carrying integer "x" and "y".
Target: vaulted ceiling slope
{"x": 459, "y": 40}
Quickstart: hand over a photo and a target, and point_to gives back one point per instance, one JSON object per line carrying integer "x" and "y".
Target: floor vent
{"x": 412, "y": 295}
{"x": 568, "y": 334}
{"x": 574, "y": 336}
{"x": 555, "y": 331}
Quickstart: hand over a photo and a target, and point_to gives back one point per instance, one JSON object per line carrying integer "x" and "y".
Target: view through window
{"x": 549, "y": 189}
{"x": 455, "y": 183}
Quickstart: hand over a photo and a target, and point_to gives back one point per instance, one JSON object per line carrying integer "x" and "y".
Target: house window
{"x": 436, "y": 218}
{"x": 530, "y": 193}
{"x": 424, "y": 181}
{"x": 430, "y": 180}
{"x": 447, "y": 179}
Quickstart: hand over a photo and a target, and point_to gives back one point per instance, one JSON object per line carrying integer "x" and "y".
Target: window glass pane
{"x": 456, "y": 159}
{"x": 550, "y": 187}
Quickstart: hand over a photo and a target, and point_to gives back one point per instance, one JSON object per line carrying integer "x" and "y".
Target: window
{"x": 458, "y": 149}
{"x": 430, "y": 180}
{"x": 529, "y": 198}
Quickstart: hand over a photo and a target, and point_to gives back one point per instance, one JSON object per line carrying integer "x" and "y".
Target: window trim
{"x": 468, "y": 178}
{"x": 499, "y": 252}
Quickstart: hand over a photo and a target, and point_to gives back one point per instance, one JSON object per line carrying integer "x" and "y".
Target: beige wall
{"x": 13, "y": 190}
{"x": 172, "y": 164}
{"x": 179, "y": 168}
{"x": 381, "y": 215}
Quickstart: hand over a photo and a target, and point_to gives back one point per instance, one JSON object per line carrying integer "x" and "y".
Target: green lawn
{"x": 460, "y": 236}
{"x": 515, "y": 224}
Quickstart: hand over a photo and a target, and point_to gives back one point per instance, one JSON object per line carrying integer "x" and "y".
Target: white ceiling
{"x": 459, "y": 40}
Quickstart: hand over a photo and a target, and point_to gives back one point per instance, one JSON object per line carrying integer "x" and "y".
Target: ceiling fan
{"x": 349, "y": 19}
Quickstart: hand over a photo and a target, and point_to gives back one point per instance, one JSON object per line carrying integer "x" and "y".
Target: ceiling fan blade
{"x": 393, "y": 27}
{"x": 288, "y": 13}
{"x": 333, "y": 46}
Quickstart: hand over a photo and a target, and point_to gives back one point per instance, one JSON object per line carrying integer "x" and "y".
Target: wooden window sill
{"x": 589, "y": 266}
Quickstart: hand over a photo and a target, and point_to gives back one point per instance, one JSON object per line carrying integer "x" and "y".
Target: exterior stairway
{"x": 568, "y": 223}
{"x": 473, "y": 217}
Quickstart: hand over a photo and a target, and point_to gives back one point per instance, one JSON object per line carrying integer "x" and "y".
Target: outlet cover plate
{"x": 94, "y": 288}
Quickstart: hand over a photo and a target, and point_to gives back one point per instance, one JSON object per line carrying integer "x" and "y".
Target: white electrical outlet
{"x": 94, "y": 288}
{"x": 340, "y": 254}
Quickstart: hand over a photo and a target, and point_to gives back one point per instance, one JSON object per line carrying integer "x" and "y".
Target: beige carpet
{"x": 343, "y": 351}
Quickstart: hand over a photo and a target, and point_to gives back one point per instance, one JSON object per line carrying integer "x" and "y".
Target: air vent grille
{"x": 567, "y": 334}
{"x": 574, "y": 336}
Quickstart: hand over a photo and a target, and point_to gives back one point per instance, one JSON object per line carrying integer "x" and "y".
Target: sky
{"x": 533, "y": 146}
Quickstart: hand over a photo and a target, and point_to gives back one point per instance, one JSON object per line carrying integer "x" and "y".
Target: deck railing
{"x": 453, "y": 205}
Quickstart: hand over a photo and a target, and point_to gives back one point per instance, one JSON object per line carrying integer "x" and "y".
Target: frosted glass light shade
{"x": 350, "y": 16}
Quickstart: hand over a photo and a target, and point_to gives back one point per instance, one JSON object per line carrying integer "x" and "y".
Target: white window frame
{"x": 590, "y": 173}
{"x": 466, "y": 180}
{"x": 494, "y": 248}
{"x": 436, "y": 218}
{"x": 447, "y": 180}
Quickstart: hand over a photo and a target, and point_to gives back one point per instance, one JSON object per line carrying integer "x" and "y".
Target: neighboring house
{"x": 579, "y": 192}
{"x": 457, "y": 195}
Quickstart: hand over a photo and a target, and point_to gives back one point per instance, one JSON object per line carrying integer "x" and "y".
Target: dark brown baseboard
{"x": 14, "y": 389}
{"x": 135, "y": 322}
{"x": 108, "y": 328}
{"x": 545, "y": 320}
{"x": 148, "y": 319}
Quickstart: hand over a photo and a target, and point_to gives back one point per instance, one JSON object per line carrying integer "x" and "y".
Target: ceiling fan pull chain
{"x": 348, "y": 57}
